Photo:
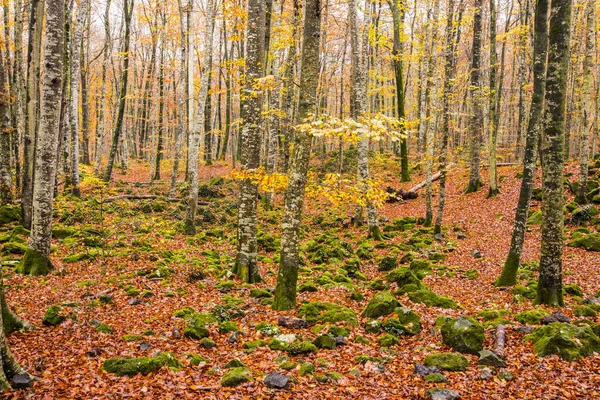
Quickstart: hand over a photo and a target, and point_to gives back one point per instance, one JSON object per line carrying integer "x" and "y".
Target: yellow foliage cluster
{"x": 266, "y": 182}
{"x": 340, "y": 191}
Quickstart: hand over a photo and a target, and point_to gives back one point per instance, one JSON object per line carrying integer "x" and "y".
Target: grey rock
{"x": 134, "y": 302}
{"x": 422, "y": 370}
{"x": 95, "y": 323}
{"x": 486, "y": 373}
{"x": 21, "y": 381}
{"x": 93, "y": 352}
{"x": 234, "y": 338}
{"x": 556, "y": 316}
{"x": 461, "y": 236}
{"x": 443, "y": 394}
{"x": 476, "y": 254}
{"x": 525, "y": 329}
{"x": 488, "y": 357}
{"x": 144, "y": 346}
{"x": 340, "y": 341}
{"x": 275, "y": 380}
{"x": 175, "y": 333}
{"x": 506, "y": 375}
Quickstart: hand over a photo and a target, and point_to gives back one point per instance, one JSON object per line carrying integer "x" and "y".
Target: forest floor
{"x": 127, "y": 245}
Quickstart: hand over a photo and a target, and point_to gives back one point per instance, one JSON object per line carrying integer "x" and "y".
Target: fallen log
{"x": 412, "y": 193}
{"x": 500, "y": 340}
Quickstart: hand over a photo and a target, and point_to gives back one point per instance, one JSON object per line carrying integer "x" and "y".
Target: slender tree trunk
{"x": 116, "y": 137}
{"x": 196, "y": 129}
{"x": 508, "y": 277}
{"x": 34, "y": 48}
{"x": 101, "y": 125}
{"x": 397, "y": 7}
{"x": 161, "y": 102}
{"x": 493, "y": 123}
{"x": 246, "y": 260}
{"x": 524, "y": 16}
{"x": 587, "y": 124}
{"x": 285, "y": 291}
{"x": 6, "y": 195}
{"x": 552, "y": 150}
{"x": 476, "y": 118}
{"x": 36, "y": 260}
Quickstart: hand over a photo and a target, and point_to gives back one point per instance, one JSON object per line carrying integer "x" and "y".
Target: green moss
{"x": 447, "y": 361}
{"x": 403, "y": 276}
{"x": 584, "y": 311}
{"x": 288, "y": 365}
{"x": 34, "y": 263}
{"x": 307, "y": 287}
{"x": 315, "y": 312}
{"x": 73, "y": 258}
{"x": 383, "y": 303}
{"x": 234, "y": 363}
{"x": 531, "y": 317}
{"x": 589, "y": 242}
{"x": 297, "y": 348}
{"x": 388, "y": 263}
{"x": 408, "y": 323}
{"x": 307, "y": 368}
{"x": 130, "y": 366}
{"x": 225, "y": 285}
{"x": 184, "y": 312}
{"x": 437, "y": 257}
{"x": 53, "y": 316}
{"x": 132, "y": 338}
{"x": 378, "y": 284}
{"x": 267, "y": 329}
{"x": 387, "y": 340}
{"x": 14, "y": 247}
{"x": 436, "y": 377}
{"x": 325, "y": 342}
{"x": 573, "y": 289}
{"x": 236, "y": 377}
{"x": 464, "y": 335}
{"x": 567, "y": 341}
{"x": 260, "y": 293}
{"x": 472, "y": 274}
{"x": 104, "y": 328}
{"x": 254, "y": 344}
{"x": 9, "y": 214}
{"x": 228, "y": 326}
{"x": 336, "y": 331}
{"x": 535, "y": 218}
{"x": 429, "y": 298}
{"x": 195, "y": 327}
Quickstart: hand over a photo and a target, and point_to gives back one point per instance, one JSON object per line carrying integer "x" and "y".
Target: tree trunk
{"x": 161, "y": 102}
{"x": 285, "y": 291}
{"x": 127, "y": 13}
{"x": 246, "y": 266}
{"x": 476, "y": 118}
{"x": 101, "y": 124}
{"x": 587, "y": 124}
{"x": 196, "y": 130}
{"x": 36, "y": 260}
{"x": 508, "y": 277}
{"x": 552, "y": 150}
{"x": 493, "y": 123}
{"x": 34, "y": 48}
{"x": 6, "y": 196}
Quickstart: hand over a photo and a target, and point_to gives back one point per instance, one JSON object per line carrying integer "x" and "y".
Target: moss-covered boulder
{"x": 260, "y": 293}
{"x": 326, "y": 341}
{"x": 531, "y": 317}
{"x": 307, "y": 368}
{"x": 463, "y": 334}
{"x": 315, "y": 312}
{"x": 590, "y": 242}
{"x": 387, "y": 340}
{"x": 54, "y": 316}
{"x": 236, "y": 377}
{"x": 568, "y": 341}
{"x": 14, "y": 247}
{"x": 383, "y": 303}
{"x": 488, "y": 357}
{"x": 195, "y": 327}
{"x": 447, "y": 361}
{"x": 197, "y": 359}
{"x": 9, "y": 214}
{"x": 573, "y": 289}
{"x": 130, "y": 366}
{"x": 584, "y": 311}
{"x": 297, "y": 348}
{"x": 431, "y": 299}
{"x": 388, "y": 263}
{"x": 535, "y": 218}
{"x": 403, "y": 276}
{"x": 409, "y": 320}
{"x": 584, "y": 214}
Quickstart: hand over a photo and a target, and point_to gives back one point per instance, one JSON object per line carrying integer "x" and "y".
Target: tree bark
{"x": 6, "y": 196}
{"x": 493, "y": 119}
{"x": 552, "y": 150}
{"x": 285, "y": 291}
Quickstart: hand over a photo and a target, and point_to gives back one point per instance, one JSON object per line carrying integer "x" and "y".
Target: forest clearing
{"x": 321, "y": 199}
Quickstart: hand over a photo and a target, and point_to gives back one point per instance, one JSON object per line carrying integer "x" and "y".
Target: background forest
{"x": 299, "y": 199}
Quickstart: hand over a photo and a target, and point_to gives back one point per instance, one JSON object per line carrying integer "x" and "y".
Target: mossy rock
{"x": 529, "y": 291}
{"x": 254, "y": 344}
{"x": 132, "y": 338}
{"x": 335, "y": 331}
{"x": 568, "y": 341}
{"x": 234, "y": 363}
{"x": 388, "y": 263}
{"x": 196, "y": 359}
{"x": 531, "y": 317}
{"x": 535, "y": 218}
{"x": 387, "y": 340}
{"x": 54, "y": 316}
{"x": 403, "y": 276}
{"x": 288, "y": 365}
{"x": 437, "y": 257}
{"x": 297, "y": 348}
{"x": 463, "y": 334}
{"x": 228, "y": 326}
{"x": 409, "y": 320}
{"x": 14, "y": 248}
{"x": 383, "y": 303}
{"x": 584, "y": 311}
{"x": 307, "y": 287}
{"x": 431, "y": 299}
{"x": 267, "y": 329}
{"x": 315, "y": 312}
{"x": 73, "y": 258}
{"x": 584, "y": 214}
{"x": 378, "y": 284}
{"x": 104, "y": 328}
{"x": 307, "y": 368}
{"x": 9, "y": 214}
{"x": 184, "y": 312}
{"x": 260, "y": 293}
{"x": 573, "y": 289}
{"x": 225, "y": 285}
{"x": 236, "y": 377}
{"x": 590, "y": 242}
{"x": 325, "y": 342}
{"x": 207, "y": 343}
{"x": 408, "y": 289}
{"x": 195, "y": 327}
{"x": 130, "y": 366}
{"x": 447, "y": 361}
{"x": 435, "y": 377}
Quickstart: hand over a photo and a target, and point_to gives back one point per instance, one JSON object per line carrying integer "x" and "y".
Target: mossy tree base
{"x": 508, "y": 277}
{"x": 189, "y": 227}
{"x": 375, "y": 233}
{"x": 473, "y": 187}
{"x": 493, "y": 192}
{"x": 35, "y": 263}
{"x": 549, "y": 296}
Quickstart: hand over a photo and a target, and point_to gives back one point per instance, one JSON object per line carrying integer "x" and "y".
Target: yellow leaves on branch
{"x": 341, "y": 191}
{"x": 266, "y": 182}
{"x": 374, "y": 126}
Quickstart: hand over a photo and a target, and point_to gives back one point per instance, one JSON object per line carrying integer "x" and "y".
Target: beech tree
{"x": 6, "y": 196}
{"x": 246, "y": 266}
{"x": 508, "y": 277}
{"x": 552, "y": 151}
{"x": 287, "y": 277}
